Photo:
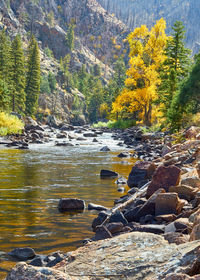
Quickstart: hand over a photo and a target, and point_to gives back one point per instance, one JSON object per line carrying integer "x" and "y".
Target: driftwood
{"x": 120, "y": 207}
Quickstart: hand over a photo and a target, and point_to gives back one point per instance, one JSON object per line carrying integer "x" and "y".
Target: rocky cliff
{"x": 136, "y": 12}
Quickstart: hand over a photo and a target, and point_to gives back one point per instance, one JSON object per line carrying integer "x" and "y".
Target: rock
{"x": 52, "y": 121}
{"x": 81, "y": 138}
{"x": 121, "y": 181}
{"x": 22, "y": 254}
{"x": 166, "y": 149}
{"x": 176, "y": 237}
{"x": 179, "y": 225}
{"x": 156, "y": 229}
{"x": 149, "y": 206}
{"x": 95, "y": 140}
{"x": 55, "y": 258}
{"x": 115, "y": 227}
{"x": 165, "y": 218}
{"x": 168, "y": 203}
{"x": 118, "y": 217}
{"x": 123, "y": 155}
{"x": 105, "y": 149}
{"x": 141, "y": 171}
{"x": 164, "y": 177}
{"x": 193, "y": 182}
{"x": 67, "y": 204}
{"x": 178, "y": 276}
{"x": 61, "y": 135}
{"x": 102, "y": 216}
{"x": 102, "y": 233}
{"x": 121, "y": 189}
{"x": 64, "y": 144}
{"x": 184, "y": 192}
{"x": 92, "y": 206}
{"x": 104, "y": 174}
{"x": 195, "y": 234}
{"x": 89, "y": 134}
{"x": 37, "y": 261}
{"x": 192, "y": 132}
{"x": 131, "y": 254}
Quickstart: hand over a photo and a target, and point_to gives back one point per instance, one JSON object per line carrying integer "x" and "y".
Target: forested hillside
{"x": 136, "y": 12}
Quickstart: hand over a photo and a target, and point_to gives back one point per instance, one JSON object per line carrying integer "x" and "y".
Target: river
{"x": 32, "y": 182}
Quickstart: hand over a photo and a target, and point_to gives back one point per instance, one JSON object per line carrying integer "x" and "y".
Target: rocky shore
{"x": 153, "y": 232}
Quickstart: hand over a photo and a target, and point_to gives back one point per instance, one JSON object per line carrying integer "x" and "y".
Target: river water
{"x": 32, "y": 182}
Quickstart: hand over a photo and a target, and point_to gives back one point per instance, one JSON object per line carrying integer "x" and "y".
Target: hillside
{"x": 136, "y": 12}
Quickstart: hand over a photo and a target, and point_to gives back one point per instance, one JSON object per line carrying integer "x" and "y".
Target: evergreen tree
{"x": 176, "y": 66}
{"x": 18, "y": 75}
{"x": 32, "y": 88}
{"x": 5, "y": 88}
{"x": 187, "y": 99}
{"x": 70, "y": 36}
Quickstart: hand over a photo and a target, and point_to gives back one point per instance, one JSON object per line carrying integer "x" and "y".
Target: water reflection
{"x": 33, "y": 181}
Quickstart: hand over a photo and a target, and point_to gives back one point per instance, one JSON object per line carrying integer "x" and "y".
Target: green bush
{"x": 121, "y": 124}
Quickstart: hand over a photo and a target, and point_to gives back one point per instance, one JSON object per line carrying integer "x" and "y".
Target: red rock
{"x": 164, "y": 177}
{"x": 177, "y": 276}
{"x": 141, "y": 171}
{"x": 176, "y": 237}
{"x": 168, "y": 203}
{"x": 195, "y": 234}
{"x": 165, "y": 218}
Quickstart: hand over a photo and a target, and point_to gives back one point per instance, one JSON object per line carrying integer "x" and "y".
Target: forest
{"x": 157, "y": 85}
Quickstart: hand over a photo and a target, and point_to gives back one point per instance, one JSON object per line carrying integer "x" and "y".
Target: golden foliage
{"x": 146, "y": 56}
{"x": 10, "y": 124}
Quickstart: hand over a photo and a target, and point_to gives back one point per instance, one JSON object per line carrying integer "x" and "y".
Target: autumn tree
{"x": 146, "y": 56}
{"x": 18, "y": 75}
{"x": 32, "y": 88}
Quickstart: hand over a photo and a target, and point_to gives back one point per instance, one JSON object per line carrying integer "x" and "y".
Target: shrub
{"x": 10, "y": 124}
{"x": 122, "y": 124}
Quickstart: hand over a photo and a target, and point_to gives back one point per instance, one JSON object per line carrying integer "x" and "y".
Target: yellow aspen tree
{"x": 146, "y": 56}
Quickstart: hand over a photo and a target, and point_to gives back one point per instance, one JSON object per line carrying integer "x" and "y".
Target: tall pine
{"x": 18, "y": 75}
{"x": 5, "y": 88}
{"x": 176, "y": 66}
{"x": 32, "y": 88}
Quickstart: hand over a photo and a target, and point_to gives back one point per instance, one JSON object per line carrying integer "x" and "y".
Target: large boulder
{"x": 141, "y": 171}
{"x": 69, "y": 204}
{"x": 164, "y": 177}
{"x": 168, "y": 203}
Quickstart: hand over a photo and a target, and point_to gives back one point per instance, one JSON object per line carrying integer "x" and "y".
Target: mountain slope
{"x": 136, "y": 12}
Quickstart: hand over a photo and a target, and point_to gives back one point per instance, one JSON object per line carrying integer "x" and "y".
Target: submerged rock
{"x": 22, "y": 254}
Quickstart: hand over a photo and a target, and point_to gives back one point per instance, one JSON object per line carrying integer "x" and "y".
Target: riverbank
{"x": 153, "y": 230}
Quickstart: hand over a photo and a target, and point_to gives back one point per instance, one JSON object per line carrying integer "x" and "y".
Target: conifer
{"x": 18, "y": 75}
{"x": 32, "y": 88}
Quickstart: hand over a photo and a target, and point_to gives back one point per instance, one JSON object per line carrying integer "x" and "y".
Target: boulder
{"x": 184, "y": 192}
{"x": 37, "y": 261}
{"x": 104, "y": 174}
{"x": 164, "y": 177}
{"x": 141, "y": 171}
{"x": 102, "y": 233}
{"x": 92, "y": 206}
{"x": 117, "y": 217}
{"x": 176, "y": 237}
{"x": 90, "y": 134}
{"x": 193, "y": 182}
{"x": 22, "y": 254}
{"x": 105, "y": 149}
{"x": 115, "y": 227}
{"x": 68, "y": 204}
{"x": 149, "y": 206}
{"x": 102, "y": 216}
{"x": 156, "y": 229}
{"x": 168, "y": 203}
{"x": 195, "y": 234}
{"x": 123, "y": 155}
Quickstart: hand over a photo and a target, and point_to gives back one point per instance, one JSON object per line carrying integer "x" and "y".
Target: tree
{"x": 187, "y": 99}
{"x": 32, "y": 88}
{"x": 175, "y": 67}
{"x": 70, "y": 36}
{"x": 18, "y": 75}
{"x": 146, "y": 56}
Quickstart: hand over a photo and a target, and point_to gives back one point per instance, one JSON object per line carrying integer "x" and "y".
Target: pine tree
{"x": 70, "y": 36}
{"x": 176, "y": 66}
{"x": 32, "y": 88}
{"x": 5, "y": 88}
{"x": 18, "y": 75}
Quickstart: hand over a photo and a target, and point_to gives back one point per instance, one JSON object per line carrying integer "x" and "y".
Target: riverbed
{"x": 32, "y": 182}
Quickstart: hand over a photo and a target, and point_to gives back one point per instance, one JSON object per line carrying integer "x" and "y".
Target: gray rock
{"x": 108, "y": 174}
{"x": 22, "y": 254}
{"x": 92, "y": 206}
{"x": 105, "y": 149}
